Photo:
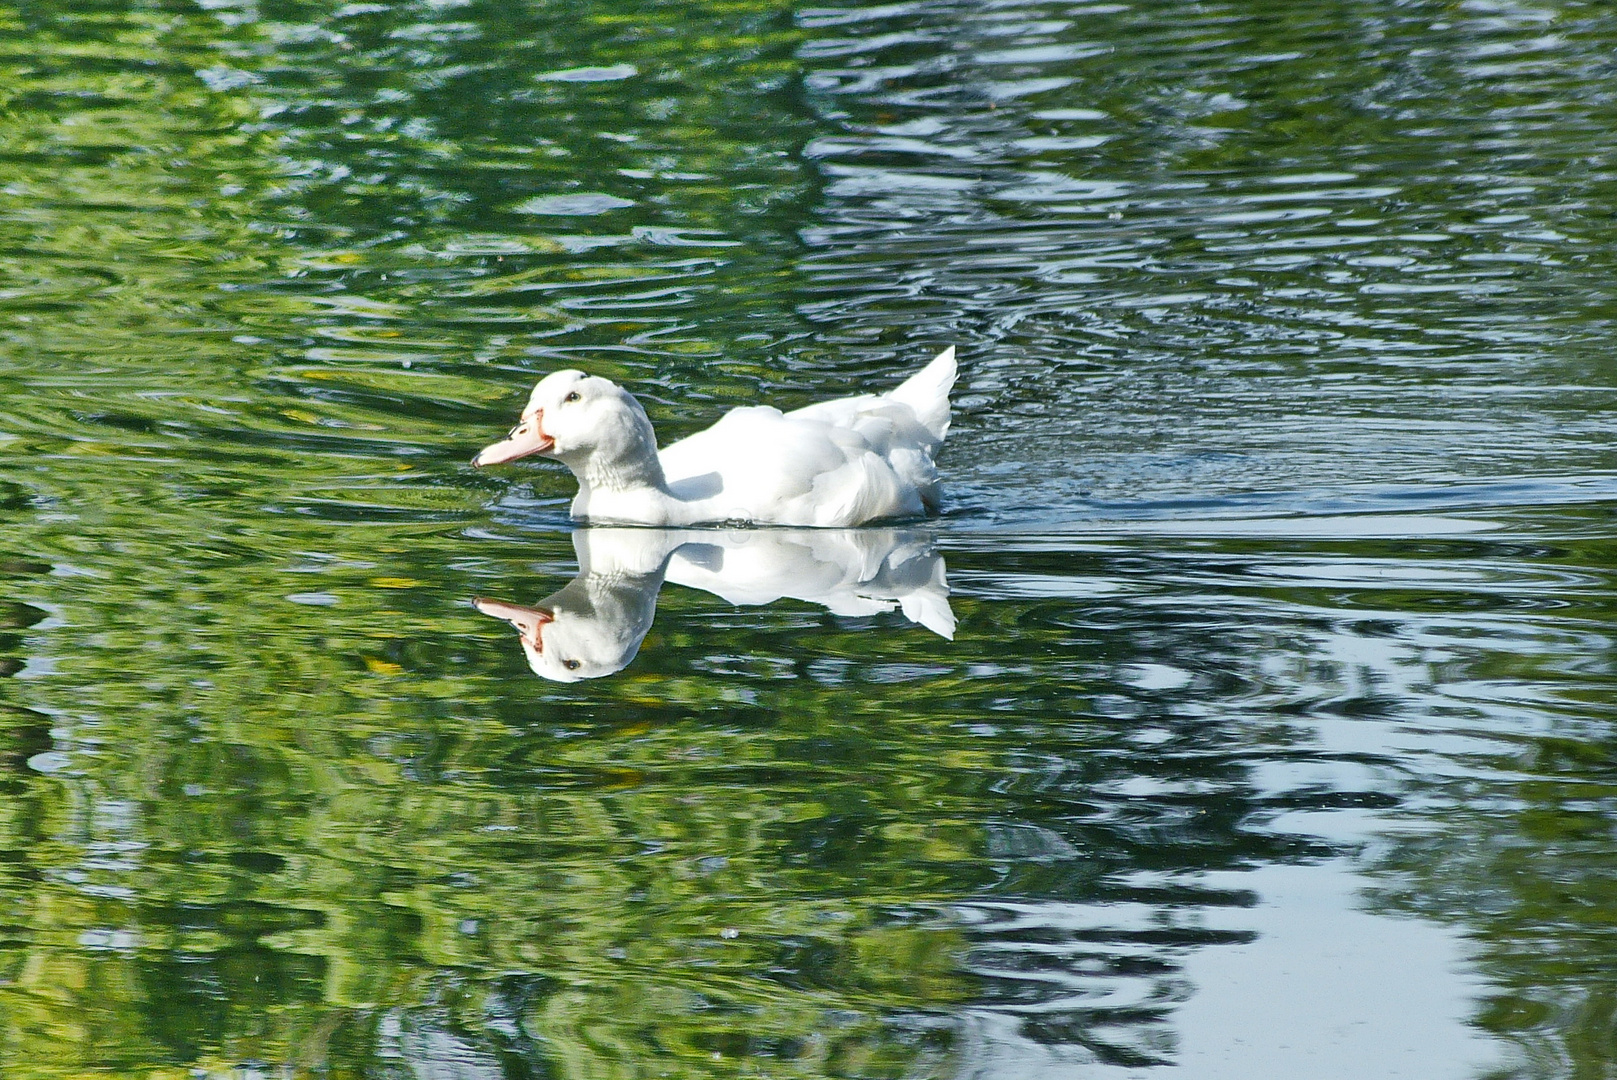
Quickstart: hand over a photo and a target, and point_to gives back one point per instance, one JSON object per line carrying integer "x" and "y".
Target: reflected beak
{"x": 528, "y": 437}
{"x": 527, "y": 620}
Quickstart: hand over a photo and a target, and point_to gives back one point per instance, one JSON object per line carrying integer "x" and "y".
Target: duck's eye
{"x": 570, "y": 665}
{"x": 572, "y": 397}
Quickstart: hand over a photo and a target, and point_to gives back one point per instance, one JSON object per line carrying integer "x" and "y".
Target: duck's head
{"x": 571, "y": 415}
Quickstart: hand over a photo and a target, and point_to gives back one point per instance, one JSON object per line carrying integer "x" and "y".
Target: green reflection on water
{"x": 274, "y": 792}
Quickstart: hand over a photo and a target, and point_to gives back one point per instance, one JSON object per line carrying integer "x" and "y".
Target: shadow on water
{"x": 1279, "y": 695}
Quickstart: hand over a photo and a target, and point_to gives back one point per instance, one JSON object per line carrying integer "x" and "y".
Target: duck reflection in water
{"x": 594, "y": 626}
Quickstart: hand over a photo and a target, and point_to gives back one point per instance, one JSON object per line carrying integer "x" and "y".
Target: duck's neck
{"x": 622, "y": 474}
{"x": 621, "y": 478}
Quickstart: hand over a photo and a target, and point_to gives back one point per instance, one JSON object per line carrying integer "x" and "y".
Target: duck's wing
{"x": 842, "y": 462}
{"x": 755, "y": 464}
{"x": 758, "y": 464}
{"x": 754, "y": 447}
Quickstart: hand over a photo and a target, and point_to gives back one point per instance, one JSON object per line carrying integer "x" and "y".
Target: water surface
{"x": 1275, "y": 733}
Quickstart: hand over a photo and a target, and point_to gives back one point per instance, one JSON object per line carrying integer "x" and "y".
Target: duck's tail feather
{"x": 927, "y": 392}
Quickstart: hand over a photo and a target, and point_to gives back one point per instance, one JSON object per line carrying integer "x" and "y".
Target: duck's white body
{"x": 838, "y": 463}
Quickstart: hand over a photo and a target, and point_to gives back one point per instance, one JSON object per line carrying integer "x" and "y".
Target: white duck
{"x": 838, "y": 463}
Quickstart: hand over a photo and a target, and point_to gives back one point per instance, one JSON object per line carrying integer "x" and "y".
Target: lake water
{"x": 1275, "y": 734}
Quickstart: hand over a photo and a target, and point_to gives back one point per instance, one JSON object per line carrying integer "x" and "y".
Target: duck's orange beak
{"x": 528, "y": 437}
{"x": 527, "y": 620}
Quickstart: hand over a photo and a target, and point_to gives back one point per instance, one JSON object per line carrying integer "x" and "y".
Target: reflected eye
{"x": 570, "y": 665}
{"x": 571, "y": 397}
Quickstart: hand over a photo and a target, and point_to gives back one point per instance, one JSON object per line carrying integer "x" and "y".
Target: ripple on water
{"x": 1278, "y": 536}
